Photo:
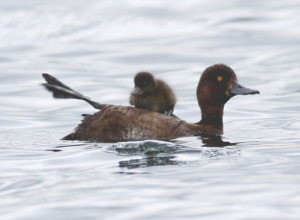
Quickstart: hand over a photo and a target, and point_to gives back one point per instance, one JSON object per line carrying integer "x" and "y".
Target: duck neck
{"x": 212, "y": 115}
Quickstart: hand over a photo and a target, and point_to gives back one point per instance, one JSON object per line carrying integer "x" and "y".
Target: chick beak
{"x": 238, "y": 89}
{"x": 136, "y": 91}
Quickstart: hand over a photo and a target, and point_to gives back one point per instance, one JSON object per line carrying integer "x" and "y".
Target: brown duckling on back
{"x": 152, "y": 94}
{"x": 217, "y": 85}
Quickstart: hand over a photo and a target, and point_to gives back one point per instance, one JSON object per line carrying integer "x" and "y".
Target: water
{"x": 96, "y": 47}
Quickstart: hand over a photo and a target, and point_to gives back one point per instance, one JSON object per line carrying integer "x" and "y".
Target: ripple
{"x": 147, "y": 148}
{"x": 97, "y": 47}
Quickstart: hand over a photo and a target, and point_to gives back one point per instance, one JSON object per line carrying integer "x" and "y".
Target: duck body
{"x": 123, "y": 123}
{"x": 152, "y": 94}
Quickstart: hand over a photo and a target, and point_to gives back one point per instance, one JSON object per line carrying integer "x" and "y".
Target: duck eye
{"x": 145, "y": 83}
{"x": 220, "y": 78}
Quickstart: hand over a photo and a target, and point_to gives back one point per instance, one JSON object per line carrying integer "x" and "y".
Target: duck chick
{"x": 152, "y": 94}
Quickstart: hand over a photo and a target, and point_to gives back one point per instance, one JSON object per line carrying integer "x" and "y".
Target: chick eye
{"x": 220, "y": 78}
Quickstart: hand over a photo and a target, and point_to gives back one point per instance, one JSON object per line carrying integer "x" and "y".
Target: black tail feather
{"x": 53, "y": 81}
{"x": 61, "y": 91}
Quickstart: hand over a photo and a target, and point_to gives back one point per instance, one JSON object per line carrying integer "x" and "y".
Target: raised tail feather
{"x": 61, "y": 91}
{"x": 53, "y": 81}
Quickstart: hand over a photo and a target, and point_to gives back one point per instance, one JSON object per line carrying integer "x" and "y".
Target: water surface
{"x": 96, "y": 47}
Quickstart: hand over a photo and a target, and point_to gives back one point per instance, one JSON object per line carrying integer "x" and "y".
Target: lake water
{"x": 97, "y": 47}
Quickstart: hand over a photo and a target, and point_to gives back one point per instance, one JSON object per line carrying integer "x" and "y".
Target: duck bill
{"x": 238, "y": 89}
{"x": 136, "y": 91}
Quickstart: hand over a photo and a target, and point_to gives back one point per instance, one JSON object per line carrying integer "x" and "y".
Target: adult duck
{"x": 112, "y": 123}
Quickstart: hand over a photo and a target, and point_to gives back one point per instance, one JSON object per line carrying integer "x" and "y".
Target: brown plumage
{"x": 152, "y": 94}
{"x": 122, "y": 123}
{"x": 217, "y": 85}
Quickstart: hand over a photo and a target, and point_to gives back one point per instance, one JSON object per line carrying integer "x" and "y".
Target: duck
{"x": 152, "y": 94}
{"x": 114, "y": 123}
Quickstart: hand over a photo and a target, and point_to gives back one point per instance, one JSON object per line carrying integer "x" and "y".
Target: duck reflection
{"x": 215, "y": 141}
{"x": 163, "y": 153}
{"x": 149, "y": 162}
{"x": 166, "y": 154}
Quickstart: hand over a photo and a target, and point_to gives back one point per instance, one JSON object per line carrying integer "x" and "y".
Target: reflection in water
{"x": 147, "y": 148}
{"x": 215, "y": 141}
{"x": 157, "y": 153}
{"x": 54, "y": 150}
{"x": 152, "y": 147}
{"x": 60, "y": 148}
{"x": 162, "y": 153}
{"x": 149, "y": 162}
{"x": 211, "y": 141}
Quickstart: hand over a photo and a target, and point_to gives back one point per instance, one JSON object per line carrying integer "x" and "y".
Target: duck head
{"x": 144, "y": 83}
{"x": 217, "y": 85}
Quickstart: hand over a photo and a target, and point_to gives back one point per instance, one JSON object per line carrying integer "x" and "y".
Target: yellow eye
{"x": 220, "y": 78}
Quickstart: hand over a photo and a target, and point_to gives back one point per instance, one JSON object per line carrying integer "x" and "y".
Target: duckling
{"x": 113, "y": 123}
{"x": 152, "y": 94}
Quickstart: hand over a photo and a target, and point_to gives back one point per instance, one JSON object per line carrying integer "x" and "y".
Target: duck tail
{"x": 70, "y": 137}
{"x": 61, "y": 91}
